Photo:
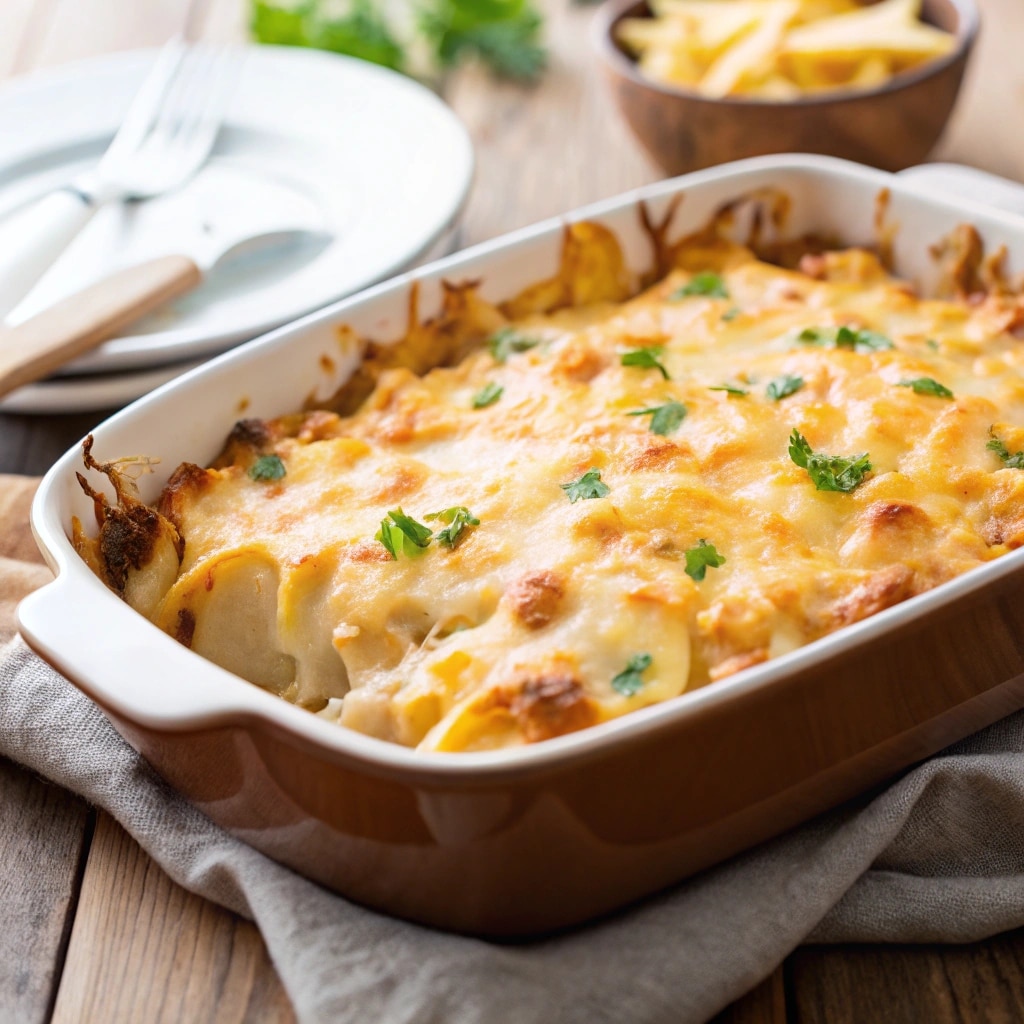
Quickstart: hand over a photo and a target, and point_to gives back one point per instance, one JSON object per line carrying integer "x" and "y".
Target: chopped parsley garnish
{"x": 665, "y": 419}
{"x": 926, "y": 386}
{"x": 855, "y": 340}
{"x": 705, "y": 283}
{"x": 646, "y": 358}
{"x": 932, "y": 344}
{"x": 1015, "y": 461}
{"x": 458, "y": 519}
{"x": 732, "y": 389}
{"x": 509, "y": 342}
{"x": 731, "y": 314}
{"x": 702, "y": 557}
{"x": 828, "y": 472}
{"x": 630, "y": 681}
{"x": 588, "y": 486}
{"x": 400, "y": 532}
{"x": 267, "y": 467}
{"x": 782, "y": 387}
{"x": 487, "y": 395}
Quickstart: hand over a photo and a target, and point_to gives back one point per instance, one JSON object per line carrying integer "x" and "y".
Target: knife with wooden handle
{"x": 37, "y": 347}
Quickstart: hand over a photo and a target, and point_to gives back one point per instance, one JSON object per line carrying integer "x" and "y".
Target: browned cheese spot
{"x": 247, "y": 438}
{"x": 881, "y": 590}
{"x": 185, "y": 628}
{"x": 545, "y": 703}
{"x": 127, "y": 539}
{"x": 535, "y": 597}
{"x": 185, "y": 483}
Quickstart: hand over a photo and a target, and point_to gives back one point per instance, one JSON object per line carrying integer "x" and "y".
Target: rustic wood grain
{"x": 144, "y": 949}
{"x": 545, "y": 149}
{"x": 764, "y": 1004}
{"x": 43, "y": 833}
{"x": 986, "y": 124}
{"x": 972, "y": 984}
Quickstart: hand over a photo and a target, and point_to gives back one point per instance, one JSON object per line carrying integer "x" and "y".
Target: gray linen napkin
{"x": 937, "y": 857}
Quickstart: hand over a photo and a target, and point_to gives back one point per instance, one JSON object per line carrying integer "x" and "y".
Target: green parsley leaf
{"x": 705, "y": 283}
{"x": 507, "y": 342}
{"x": 701, "y": 558}
{"x": 504, "y": 34}
{"x": 926, "y": 386}
{"x": 646, "y": 358}
{"x": 783, "y": 387}
{"x": 588, "y": 486}
{"x": 730, "y": 314}
{"x": 1015, "y": 461}
{"x": 459, "y": 518}
{"x": 665, "y": 419}
{"x": 932, "y": 344}
{"x": 402, "y": 533}
{"x": 629, "y": 681}
{"x": 361, "y": 31}
{"x": 828, "y": 472}
{"x": 267, "y": 467}
{"x": 845, "y": 337}
{"x": 732, "y": 389}
{"x": 487, "y": 395}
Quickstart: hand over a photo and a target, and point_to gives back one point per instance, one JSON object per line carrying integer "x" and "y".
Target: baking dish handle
{"x": 960, "y": 182}
{"x": 93, "y": 638}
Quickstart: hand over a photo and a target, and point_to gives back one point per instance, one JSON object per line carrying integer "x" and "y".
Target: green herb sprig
{"x": 647, "y": 358}
{"x": 733, "y": 390}
{"x": 586, "y": 487}
{"x": 401, "y": 533}
{"x": 782, "y": 387}
{"x": 487, "y": 395}
{"x": 1015, "y": 461}
{"x": 458, "y": 518}
{"x": 701, "y": 557}
{"x": 508, "y": 342}
{"x": 926, "y": 386}
{"x": 828, "y": 472}
{"x": 707, "y": 284}
{"x": 630, "y": 681}
{"x": 267, "y": 467}
{"x": 855, "y": 340}
{"x": 665, "y": 419}
{"x": 503, "y": 34}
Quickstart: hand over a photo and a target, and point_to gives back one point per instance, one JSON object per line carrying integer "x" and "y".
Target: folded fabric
{"x": 936, "y": 857}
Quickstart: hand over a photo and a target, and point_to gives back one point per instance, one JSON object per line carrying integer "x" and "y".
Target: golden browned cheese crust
{"x": 545, "y": 614}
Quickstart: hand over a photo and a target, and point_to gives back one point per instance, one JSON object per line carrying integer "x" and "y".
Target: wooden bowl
{"x": 892, "y": 127}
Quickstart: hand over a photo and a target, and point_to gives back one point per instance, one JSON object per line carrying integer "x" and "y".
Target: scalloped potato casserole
{"x": 524, "y": 519}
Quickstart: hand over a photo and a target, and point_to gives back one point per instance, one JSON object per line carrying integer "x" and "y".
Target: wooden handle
{"x": 80, "y": 322}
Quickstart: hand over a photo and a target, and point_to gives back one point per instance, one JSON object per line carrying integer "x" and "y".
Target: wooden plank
{"x": 43, "y": 835}
{"x": 544, "y": 149}
{"x": 765, "y": 1004}
{"x": 985, "y": 128}
{"x": 982, "y": 983}
{"x": 143, "y": 948}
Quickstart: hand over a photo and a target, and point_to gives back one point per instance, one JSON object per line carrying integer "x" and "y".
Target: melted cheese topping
{"x": 517, "y": 633}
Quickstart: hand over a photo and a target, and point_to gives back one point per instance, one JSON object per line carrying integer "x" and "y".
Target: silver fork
{"x": 166, "y": 136}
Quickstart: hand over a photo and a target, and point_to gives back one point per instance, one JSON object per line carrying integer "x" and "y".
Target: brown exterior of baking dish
{"x": 522, "y": 853}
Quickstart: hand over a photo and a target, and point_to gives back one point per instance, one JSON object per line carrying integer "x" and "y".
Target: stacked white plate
{"x": 376, "y": 159}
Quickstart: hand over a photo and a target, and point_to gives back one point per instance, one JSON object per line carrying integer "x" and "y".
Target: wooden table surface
{"x": 115, "y": 939}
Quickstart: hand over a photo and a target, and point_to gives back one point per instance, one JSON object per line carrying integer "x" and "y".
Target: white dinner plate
{"x": 375, "y": 157}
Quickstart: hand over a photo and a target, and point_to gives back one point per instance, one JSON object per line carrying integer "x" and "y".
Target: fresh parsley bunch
{"x": 504, "y": 34}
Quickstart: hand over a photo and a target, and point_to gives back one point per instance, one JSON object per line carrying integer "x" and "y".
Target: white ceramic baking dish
{"x": 527, "y": 840}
